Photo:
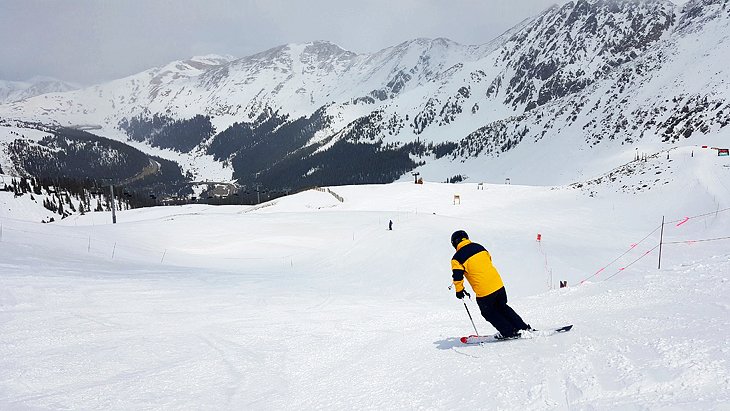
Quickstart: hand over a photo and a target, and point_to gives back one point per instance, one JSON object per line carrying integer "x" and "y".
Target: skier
{"x": 390, "y": 225}
{"x": 473, "y": 261}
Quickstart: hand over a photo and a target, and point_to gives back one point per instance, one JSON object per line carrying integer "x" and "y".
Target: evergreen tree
{"x": 37, "y": 186}
{"x": 70, "y": 203}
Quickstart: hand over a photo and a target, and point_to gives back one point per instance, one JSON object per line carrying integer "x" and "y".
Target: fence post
{"x": 661, "y": 240}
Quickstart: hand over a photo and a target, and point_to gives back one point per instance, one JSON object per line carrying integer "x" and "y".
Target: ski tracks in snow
{"x": 643, "y": 341}
{"x": 625, "y": 356}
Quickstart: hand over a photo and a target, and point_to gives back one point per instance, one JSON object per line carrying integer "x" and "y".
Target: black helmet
{"x": 457, "y": 237}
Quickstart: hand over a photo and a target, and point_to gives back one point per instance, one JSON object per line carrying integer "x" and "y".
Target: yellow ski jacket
{"x": 473, "y": 261}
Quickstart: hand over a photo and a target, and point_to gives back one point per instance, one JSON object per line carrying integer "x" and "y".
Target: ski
{"x": 526, "y": 335}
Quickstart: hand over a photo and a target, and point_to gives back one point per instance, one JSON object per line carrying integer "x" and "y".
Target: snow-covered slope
{"x": 309, "y": 302}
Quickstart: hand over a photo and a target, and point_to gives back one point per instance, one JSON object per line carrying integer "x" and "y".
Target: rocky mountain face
{"x": 596, "y": 76}
{"x": 571, "y": 47}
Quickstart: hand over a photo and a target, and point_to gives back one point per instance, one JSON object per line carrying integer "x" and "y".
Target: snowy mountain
{"x": 11, "y": 91}
{"x": 594, "y": 80}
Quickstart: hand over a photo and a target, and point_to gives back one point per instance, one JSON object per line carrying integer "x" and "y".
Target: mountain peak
{"x": 323, "y": 48}
{"x": 428, "y": 42}
{"x": 212, "y": 59}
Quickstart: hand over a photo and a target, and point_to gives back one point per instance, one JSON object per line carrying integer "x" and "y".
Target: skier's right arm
{"x": 457, "y": 271}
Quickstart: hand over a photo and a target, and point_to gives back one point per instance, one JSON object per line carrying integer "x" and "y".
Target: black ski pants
{"x": 494, "y": 309}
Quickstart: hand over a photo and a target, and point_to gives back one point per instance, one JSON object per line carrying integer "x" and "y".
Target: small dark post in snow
{"x": 661, "y": 240}
{"x": 114, "y": 214}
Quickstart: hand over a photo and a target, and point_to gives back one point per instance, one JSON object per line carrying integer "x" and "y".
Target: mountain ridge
{"x": 554, "y": 80}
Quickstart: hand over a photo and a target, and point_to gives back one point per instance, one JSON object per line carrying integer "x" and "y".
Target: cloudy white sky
{"x": 90, "y": 41}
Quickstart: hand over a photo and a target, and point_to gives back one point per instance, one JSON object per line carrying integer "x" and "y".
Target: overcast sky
{"x": 87, "y": 41}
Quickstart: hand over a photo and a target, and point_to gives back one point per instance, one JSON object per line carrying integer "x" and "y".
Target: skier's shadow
{"x": 448, "y": 343}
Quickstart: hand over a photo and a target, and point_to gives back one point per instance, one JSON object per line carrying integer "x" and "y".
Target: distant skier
{"x": 390, "y": 225}
{"x": 473, "y": 261}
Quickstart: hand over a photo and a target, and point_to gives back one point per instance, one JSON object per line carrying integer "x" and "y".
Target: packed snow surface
{"x": 307, "y": 302}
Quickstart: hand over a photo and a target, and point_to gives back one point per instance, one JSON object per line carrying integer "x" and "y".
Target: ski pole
{"x": 467, "y": 311}
{"x": 470, "y": 319}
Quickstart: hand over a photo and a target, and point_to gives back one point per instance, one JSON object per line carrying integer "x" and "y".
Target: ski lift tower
{"x": 258, "y": 189}
{"x": 113, "y": 205}
{"x": 111, "y": 199}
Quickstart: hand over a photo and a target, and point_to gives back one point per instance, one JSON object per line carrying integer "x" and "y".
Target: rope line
{"x": 698, "y": 216}
{"x": 96, "y": 244}
{"x": 633, "y": 246}
{"x": 697, "y": 241}
{"x": 41, "y": 233}
{"x": 631, "y": 263}
{"x": 548, "y": 272}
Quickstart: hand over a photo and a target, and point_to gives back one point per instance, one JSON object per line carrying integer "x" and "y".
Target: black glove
{"x": 460, "y": 294}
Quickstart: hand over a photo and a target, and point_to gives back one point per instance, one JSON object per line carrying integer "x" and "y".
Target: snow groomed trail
{"x": 311, "y": 303}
